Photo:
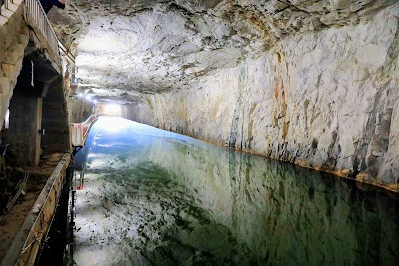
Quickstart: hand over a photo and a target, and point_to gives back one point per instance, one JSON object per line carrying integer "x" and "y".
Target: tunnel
{"x": 199, "y": 132}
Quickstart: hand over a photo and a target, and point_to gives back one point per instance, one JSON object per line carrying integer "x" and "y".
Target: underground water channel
{"x": 153, "y": 197}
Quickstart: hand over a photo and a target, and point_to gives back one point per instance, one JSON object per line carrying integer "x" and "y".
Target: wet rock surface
{"x": 310, "y": 82}
{"x": 157, "y": 198}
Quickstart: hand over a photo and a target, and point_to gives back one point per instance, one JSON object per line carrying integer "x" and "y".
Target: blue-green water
{"x": 153, "y": 197}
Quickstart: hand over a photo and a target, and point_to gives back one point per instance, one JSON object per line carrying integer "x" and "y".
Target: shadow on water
{"x": 167, "y": 199}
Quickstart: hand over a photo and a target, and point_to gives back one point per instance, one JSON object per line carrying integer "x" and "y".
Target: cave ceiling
{"x": 126, "y": 50}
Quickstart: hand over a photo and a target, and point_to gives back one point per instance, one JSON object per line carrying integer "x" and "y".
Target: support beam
{"x": 25, "y": 124}
{"x": 55, "y": 120}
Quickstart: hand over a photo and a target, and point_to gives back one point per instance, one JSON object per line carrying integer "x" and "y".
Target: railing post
{"x": 39, "y": 20}
{"x": 6, "y": 4}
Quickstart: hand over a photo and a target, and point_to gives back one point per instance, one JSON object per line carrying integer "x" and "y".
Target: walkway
{"x": 29, "y": 42}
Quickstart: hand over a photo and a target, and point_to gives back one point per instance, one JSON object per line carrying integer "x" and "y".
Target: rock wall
{"x": 14, "y": 37}
{"x": 79, "y": 110}
{"x": 326, "y": 100}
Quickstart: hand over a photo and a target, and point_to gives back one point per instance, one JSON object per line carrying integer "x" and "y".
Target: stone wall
{"x": 14, "y": 37}
{"x": 55, "y": 123}
{"x": 20, "y": 43}
{"x": 79, "y": 109}
{"x": 326, "y": 100}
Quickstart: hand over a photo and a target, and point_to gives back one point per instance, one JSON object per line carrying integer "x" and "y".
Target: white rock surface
{"x": 125, "y": 49}
{"x": 326, "y": 100}
{"x": 311, "y": 82}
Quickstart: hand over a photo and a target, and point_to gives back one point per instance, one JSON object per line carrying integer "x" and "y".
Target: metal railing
{"x": 5, "y": 3}
{"x": 80, "y": 131}
{"x": 66, "y": 52}
{"x": 39, "y": 18}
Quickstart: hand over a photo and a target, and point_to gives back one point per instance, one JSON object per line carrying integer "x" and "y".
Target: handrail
{"x": 89, "y": 123}
{"x": 80, "y": 131}
{"x": 25, "y": 247}
{"x": 66, "y": 52}
{"x": 39, "y": 17}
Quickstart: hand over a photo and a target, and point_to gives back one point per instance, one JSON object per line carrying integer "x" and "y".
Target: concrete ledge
{"x": 12, "y": 6}
{"x": 7, "y": 13}
{"x": 25, "y": 247}
{"x": 3, "y": 20}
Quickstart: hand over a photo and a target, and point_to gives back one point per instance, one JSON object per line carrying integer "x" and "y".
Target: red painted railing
{"x": 81, "y": 130}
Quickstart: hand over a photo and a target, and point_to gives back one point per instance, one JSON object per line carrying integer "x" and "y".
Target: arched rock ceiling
{"x": 126, "y": 49}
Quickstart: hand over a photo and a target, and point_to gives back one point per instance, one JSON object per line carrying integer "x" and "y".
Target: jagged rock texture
{"x": 326, "y": 100}
{"x": 12, "y": 45}
{"x": 129, "y": 48}
{"x": 311, "y": 82}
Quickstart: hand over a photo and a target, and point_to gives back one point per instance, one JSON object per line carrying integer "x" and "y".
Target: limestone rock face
{"x": 311, "y": 82}
{"x": 326, "y": 100}
{"x": 127, "y": 48}
{"x": 12, "y": 45}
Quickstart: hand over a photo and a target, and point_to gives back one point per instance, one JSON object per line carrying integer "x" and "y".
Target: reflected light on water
{"x": 111, "y": 125}
{"x": 112, "y": 109}
{"x": 167, "y": 199}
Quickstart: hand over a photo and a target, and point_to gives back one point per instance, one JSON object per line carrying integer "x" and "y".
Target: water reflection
{"x": 160, "y": 198}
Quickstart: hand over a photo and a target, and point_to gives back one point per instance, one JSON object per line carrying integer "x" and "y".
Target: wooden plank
{"x": 25, "y": 247}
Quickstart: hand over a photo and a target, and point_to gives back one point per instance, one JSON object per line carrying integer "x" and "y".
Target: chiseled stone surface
{"x": 310, "y": 82}
{"x": 129, "y": 48}
{"x": 326, "y": 100}
{"x": 14, "y": 37}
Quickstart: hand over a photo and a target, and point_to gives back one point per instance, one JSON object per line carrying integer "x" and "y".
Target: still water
{"x": 152, "y": 197}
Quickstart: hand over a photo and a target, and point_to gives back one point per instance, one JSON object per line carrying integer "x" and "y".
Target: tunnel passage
{"x": 55, "y": 120}
{"x": 318, "y": 89}
{"x": 33, "y": 167}
{"x": 35, "y": 164}
{"x": 38, "y": 123}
